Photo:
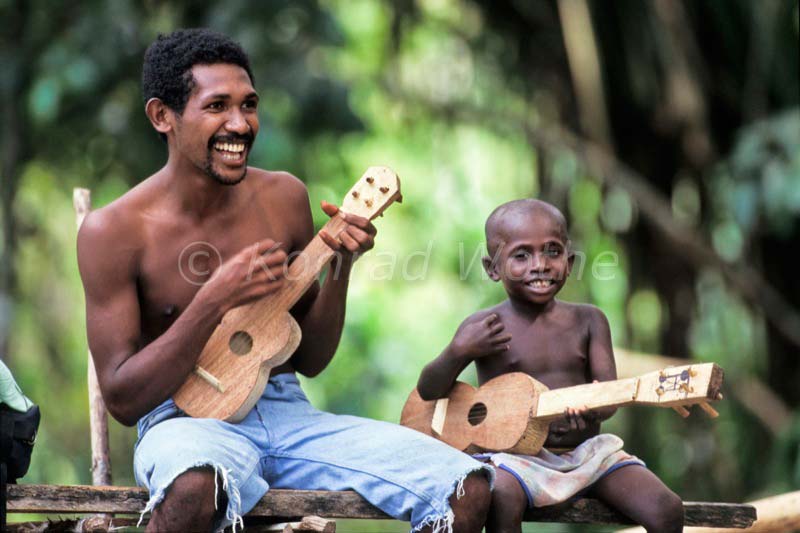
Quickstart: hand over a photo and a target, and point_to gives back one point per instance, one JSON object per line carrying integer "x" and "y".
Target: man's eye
{"x": 216, "y": 106}
{"x": 252, "y": 104}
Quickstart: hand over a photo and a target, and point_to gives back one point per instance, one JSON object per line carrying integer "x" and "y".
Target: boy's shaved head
{"x": 510, "y": 214}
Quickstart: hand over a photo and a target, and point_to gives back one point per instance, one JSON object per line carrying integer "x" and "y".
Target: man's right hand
{"x": 480, "y": 337}
{"x": 254, "y": 272}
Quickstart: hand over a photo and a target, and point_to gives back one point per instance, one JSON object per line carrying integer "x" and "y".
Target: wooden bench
{"x": 286, "y": 507}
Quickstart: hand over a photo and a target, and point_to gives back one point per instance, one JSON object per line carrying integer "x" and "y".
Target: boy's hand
{"x": 479, "y": 338}
{"x": 579, "y": 417}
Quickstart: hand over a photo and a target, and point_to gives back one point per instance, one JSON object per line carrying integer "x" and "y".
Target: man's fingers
{"x": 329, "y": 208}
{"x": 330, "y": 241}
{"x": 490, "y": 319}
{"x": 349, "y": 242}
{"x": 364, "y": 239}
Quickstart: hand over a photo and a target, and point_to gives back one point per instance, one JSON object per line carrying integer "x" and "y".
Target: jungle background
{"x": 667, "y": 131}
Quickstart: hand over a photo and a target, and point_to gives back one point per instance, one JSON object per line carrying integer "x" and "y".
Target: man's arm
{"x": 134, "y": 379}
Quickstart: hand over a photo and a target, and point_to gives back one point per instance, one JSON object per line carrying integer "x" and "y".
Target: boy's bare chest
{"x": 555, "y": 354}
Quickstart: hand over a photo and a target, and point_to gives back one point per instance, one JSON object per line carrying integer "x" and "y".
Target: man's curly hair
{"x": 168, "y": 62}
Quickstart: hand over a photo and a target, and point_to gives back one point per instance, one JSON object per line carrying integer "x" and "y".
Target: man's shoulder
{"x": 277, "y": 182}
{"x": 116, "y": 227}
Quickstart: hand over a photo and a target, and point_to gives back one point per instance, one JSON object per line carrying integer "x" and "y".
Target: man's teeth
{"x": 541, "y": 283}
{"x": 230, "y": 147}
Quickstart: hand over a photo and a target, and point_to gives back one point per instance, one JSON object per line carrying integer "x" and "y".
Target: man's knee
{"x": 189, "y": 502}
{"x": 471, "y": 508}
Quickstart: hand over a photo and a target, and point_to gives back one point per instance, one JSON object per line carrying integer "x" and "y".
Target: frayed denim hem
{"x": 233, "y": 515}
{"x": 443, "y": 522}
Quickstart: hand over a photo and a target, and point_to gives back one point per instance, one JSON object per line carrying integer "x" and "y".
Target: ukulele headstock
{"x": 680, "y": 385}
{"x": 373, "y": 193}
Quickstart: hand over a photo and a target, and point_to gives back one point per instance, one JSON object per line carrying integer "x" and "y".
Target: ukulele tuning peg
{"x": 384, "y": 190}
{"x": 719, "y": 396}
{"x": 355, "y": 194}
{"x": 370, "y": 180}
{"x": 681, "y": 411}
{"x": 710, "y": 411}
{"x": 368, "y": 202}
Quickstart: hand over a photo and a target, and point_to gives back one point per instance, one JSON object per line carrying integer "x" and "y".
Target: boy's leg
{"x": 639, "y": 494}
{"x": 508, "y": 504}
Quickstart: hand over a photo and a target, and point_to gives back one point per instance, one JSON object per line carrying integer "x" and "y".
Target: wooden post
{"x": 98, "y": 416}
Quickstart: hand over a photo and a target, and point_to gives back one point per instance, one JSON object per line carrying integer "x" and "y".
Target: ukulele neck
{"x": 619, "y": 393}
{"x": 303, "y": 271}
{"x": 671, "y": 387}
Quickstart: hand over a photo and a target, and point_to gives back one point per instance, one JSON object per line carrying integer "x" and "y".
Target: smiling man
{"x": 163, "y": 264}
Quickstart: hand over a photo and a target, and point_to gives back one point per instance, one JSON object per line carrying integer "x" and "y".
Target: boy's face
{"x": 532, "y": 259}
{"x": 218, "y": 126}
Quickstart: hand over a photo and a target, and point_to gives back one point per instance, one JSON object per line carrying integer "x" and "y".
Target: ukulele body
{"x": 240, "y": 358}
{"x": 498, "y": 416}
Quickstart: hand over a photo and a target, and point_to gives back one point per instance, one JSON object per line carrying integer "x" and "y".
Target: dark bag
{"x": 17, "y": 435}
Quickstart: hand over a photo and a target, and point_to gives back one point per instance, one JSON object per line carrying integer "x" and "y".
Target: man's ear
{"x": 491, "y": 268}
{"x": 160, "y": 115}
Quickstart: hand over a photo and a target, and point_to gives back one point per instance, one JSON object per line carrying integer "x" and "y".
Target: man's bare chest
{"x": 178, "y": 259}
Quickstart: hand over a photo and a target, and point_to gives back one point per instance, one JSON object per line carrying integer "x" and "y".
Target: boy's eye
{"x": 521, "y": 255}
{"x": 250, "y": 104}
{"x": 216, "y": 106}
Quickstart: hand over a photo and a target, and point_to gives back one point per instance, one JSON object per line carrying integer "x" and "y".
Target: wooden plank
{"x": 344, "y": 504}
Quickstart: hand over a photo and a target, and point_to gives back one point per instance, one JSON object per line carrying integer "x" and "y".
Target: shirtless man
{"x": 161, "y": 266}
{"x": 560, "y": 344}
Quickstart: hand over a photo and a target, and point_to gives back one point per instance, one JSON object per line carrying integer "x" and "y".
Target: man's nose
{"x": 237, "y": 123}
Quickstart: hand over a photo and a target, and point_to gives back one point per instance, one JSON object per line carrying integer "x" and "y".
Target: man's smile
{"x": 231, "y": 152}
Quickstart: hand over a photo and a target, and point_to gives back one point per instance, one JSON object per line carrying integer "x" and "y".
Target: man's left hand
{"x": 356, "y": 239}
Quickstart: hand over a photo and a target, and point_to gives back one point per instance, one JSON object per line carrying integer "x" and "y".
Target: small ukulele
{"x": 252, "y": 339}
{"x": 512, "y": 412}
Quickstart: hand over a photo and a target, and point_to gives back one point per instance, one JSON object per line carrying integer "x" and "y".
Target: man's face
{"x": 219, "y": 124}
{"x": 533, "y": 261}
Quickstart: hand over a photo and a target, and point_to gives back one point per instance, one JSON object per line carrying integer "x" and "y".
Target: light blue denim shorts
{"x": 284, "y": 442}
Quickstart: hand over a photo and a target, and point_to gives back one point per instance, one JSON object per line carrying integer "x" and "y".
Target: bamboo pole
{"x": 98, "y": 416}
{"x": 776, "y": 514}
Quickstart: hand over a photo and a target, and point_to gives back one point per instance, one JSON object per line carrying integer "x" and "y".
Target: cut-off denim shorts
{"x": 284, "y": 442}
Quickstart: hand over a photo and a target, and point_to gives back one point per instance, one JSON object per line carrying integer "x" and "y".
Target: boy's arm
{"x": 480, "y": 335}
{"x": 601, "y": 357}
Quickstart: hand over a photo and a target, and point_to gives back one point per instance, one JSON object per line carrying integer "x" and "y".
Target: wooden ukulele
{"x": 252, "y": 339}
{"x": 512, "y": 412}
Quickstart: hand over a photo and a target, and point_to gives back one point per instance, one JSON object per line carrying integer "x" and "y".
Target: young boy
{"x": 560, "y": 344}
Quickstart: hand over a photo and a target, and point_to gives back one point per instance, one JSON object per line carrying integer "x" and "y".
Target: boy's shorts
{"x": 548, "y": 478}
{"x": 284, "y": 442}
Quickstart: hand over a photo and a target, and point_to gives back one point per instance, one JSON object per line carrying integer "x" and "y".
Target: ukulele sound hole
{"x": 241, "y": 343}
{"x": 477, "y": 414}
